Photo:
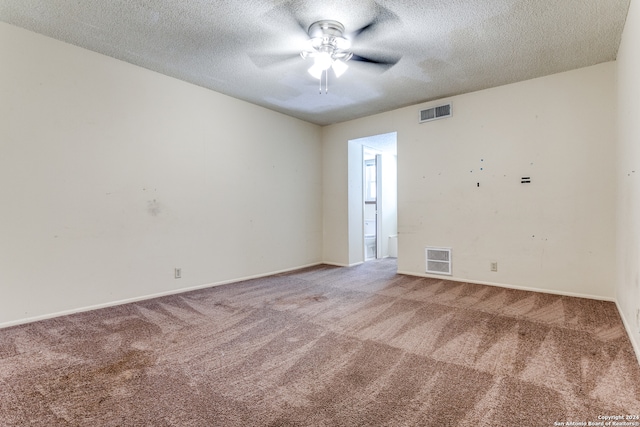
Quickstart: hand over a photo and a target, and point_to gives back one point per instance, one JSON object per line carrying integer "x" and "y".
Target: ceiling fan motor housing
{"x": 326, "y": 28}
{"x": 327, "y": 36}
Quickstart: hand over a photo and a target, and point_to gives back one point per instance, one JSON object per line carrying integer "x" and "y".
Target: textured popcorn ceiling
{"x": 247, "y": 49}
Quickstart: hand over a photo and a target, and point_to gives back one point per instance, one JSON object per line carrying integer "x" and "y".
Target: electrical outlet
{"x": 494, "y": 266}
{"x": 177, "y": 273}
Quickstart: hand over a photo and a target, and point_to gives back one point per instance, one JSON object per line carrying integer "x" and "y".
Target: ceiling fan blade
{"x": 285, "y": 17}
{"x": 359, "y": 31}
{"x": 388, "y": 61}
{"x": 273, "y": 60}
{"x": 383, "y": 16}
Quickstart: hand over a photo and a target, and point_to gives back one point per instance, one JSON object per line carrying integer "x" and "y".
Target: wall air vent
{"x": 438, "y": 260}
{"x": 434, "y": 113}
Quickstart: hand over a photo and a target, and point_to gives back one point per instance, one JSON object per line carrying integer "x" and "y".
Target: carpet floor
{"x": 325, "y": 346}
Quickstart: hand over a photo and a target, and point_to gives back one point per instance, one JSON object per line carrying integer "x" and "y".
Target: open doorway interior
{"x": 371, "y": 187}
{"x": 373, "y": 220}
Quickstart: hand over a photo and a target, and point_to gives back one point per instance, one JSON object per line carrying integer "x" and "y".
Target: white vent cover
{"x": 438, "y": 260}
{"x": 435, "y": 113}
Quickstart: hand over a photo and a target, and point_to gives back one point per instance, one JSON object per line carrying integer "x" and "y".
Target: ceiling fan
{"x": 328, "y": 44}
{"x": 329, "y": 49}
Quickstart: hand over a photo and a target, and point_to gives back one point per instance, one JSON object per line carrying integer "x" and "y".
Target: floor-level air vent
{"x": 438, "y": 260}
{"x": 435, "y": 113}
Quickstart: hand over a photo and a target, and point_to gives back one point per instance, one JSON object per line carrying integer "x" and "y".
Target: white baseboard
{"x": 630, "y": 334}
{"x": 503, "y": 285}
{"x": 146, "y": 297}
{"x": 337, "y": 264}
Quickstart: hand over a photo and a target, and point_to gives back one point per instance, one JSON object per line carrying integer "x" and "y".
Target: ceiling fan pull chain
{"x": 326, "y": 82}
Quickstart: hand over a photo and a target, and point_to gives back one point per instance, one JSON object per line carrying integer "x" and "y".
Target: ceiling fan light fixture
{"x": 316, "y": 71}
{"x": 323, "y": 60}
{"x": 328, "y": 48}
{"x": 339, "y": 67}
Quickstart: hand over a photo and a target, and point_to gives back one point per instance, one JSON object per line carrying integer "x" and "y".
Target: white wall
{"x": 628, "y": 174}
{"x": 389, "y": 206}
{"x": 112, "y": 175}
{"x": 555, "y": 234}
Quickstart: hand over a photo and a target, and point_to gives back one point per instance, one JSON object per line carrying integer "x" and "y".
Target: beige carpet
{"x": 324, "y": 346}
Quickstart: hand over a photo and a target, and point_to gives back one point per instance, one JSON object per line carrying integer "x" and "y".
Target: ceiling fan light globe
{"x": 316, "y": 71}
{"x": 339, "y": 67}
{"x": 323, "y": 60}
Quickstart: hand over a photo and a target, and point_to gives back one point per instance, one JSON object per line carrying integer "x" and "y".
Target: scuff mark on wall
{"x": 153, "y": 207}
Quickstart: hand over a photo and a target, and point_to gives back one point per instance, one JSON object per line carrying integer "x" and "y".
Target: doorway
{"x": 373, "y": 220}
{"x": 372, "y": 223}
